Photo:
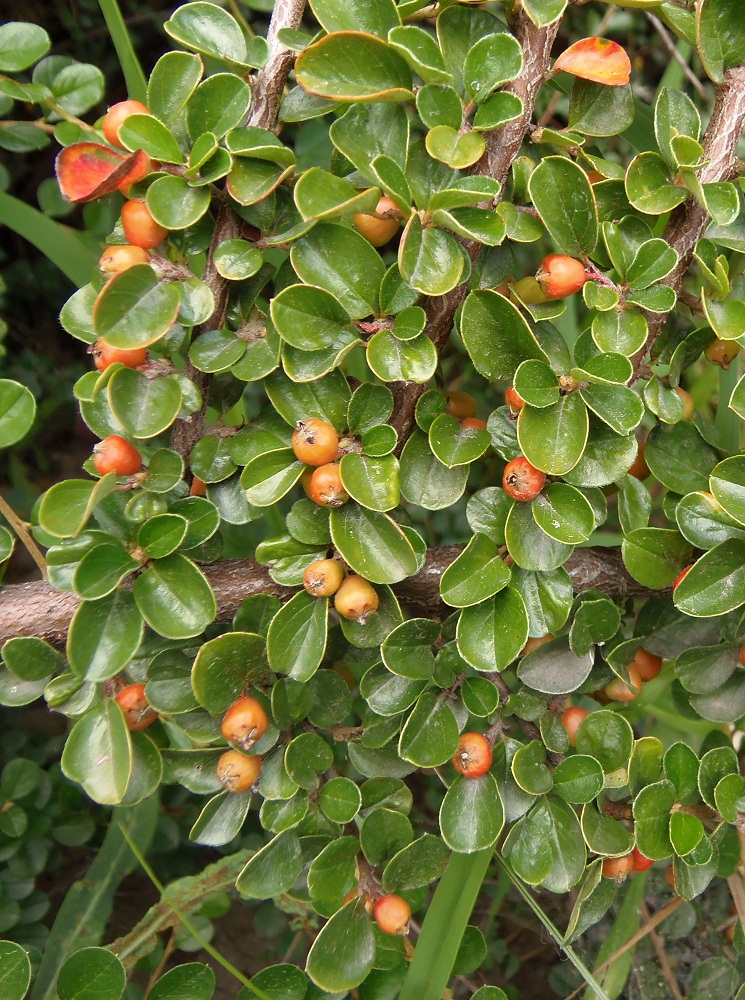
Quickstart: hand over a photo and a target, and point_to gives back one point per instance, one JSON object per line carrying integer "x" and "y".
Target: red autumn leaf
{"x": 87, "y": 170}
{"x": 596, "y": 59}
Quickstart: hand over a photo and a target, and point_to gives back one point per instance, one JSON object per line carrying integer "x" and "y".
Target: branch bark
{"x": 270, "y": 82}
{"x": 689, "y": 222}
{"x": 37, "y": 609}
{"x": 502, "y": 147}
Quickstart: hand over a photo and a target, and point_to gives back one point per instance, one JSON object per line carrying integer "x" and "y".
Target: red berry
{"x": 521, "y": 480}
{"x": 618, "y": 868}
{"x": 104, "y": 355}
{"x": 114, "y": 454}
{"x": 514, "y": 401}
{"x": 137, "y": 713}
{"x": 315, "y": 442}
{"x": 641, "y": 864}
{"x": 244, "y": 723}
{"x": 473, "y": 757}
{"x": 326, "y": 487}
{"x": 571, "y": 720}
{"x": 560, "y": 276}
{"x": 140, "y": 228}
{"x": 473, "y": 424}
{"x": 536, "y": 642}
{"x": 393, "y": 914}
{"x": 682, "y": 575}
{"x": 236, "y": 772}
{"x": 688, "y": 404}
{"x": 639, "y": 468}
{"x": 647, "y": 664}
{"x": 116, "y": 116}
{"x": 381, "y": 226}
{"x": 619, "y": 690}
{"x": 198, "y": 487}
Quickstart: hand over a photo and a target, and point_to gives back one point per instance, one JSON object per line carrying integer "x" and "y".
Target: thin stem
{"x": 23, "y": 534}
{"x": 672, "y": 48}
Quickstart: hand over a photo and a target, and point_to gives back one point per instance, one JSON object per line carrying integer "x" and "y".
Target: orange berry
{"x": 461, "y": 404}
{"x": 514, "y": 401}
{"x": 521, "y": 480}
{"x": 392, "y": 915}
{"x": 116, "y": 116}
{"x": 641, "y": 864}
{"x": 722, "y": 352}
{"x": 560, "y": 276}
{"x": 137, "y": 712}
{"x": 120, "y": 258}
{"x": 114, "y": 454}
{"x": 356, "y": 599}
{"x": 473, "y": 424}
{"x": 688, "y": 404}
{"x": 323, "y": 578}
{"x": 647, "y": 664}
{"x": 381, "y": 226}
{"x": 682, "y": 575}
{"x": 473, "y": 757}
{"x": 198, "y": 487}
{"x": 315, "y": 442}
{"x": 104, "y": 355}
{"x": 536, "y": 643}
{"x": 326, "y": 487}
{"x": 244, "y": 723}
{"x": 618, "y": 868}
{"x": 571, "y": 720}
{"x": 236, "y": 772}
{"x": 140, "y": 228}
{"x": 619, "y": 690}
{"x": 639, "y": 468}
{"x": 594, "y": 176}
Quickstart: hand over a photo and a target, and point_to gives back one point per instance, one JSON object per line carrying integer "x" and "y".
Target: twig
{"x": 158, "y": 971}
{"x": 23, "y": 534}
{"x": 672, "y": 48}
{"x": 659, "y": 949}
{"x": 270, "y": 82}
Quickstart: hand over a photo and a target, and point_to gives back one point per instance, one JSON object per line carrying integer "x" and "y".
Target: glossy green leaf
{"x": 607, "y": 737}
{"x": 477, "y": 573}
{"x": 136, "y": 309}
{"x": 563, "y": 197}
{"x": 297, "y": 637}
{"x": 175, "y": 598}
{"x": 104, "y": 636}
{"x": 471, "y": 814}
{"x": 344, "y": 951}
{"x": 553, "y": 439}
{"x": 372, "y": 544}
{"x": 496, "y": 335}
{"x": 492, "y": 633}
{"x": 354, "y": 66}
{"x": 17, "y": 410}
{"x": 98, "y": 753}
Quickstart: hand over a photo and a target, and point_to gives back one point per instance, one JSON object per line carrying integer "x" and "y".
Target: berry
{"x": 461, "y": 404}
{"x": 571, "y": 720}
{"x": 514, "y": 401}
{"x": 473, "y": 756}
{"x": 639, "y": 468}
{"x": 315, "y": 442}
{"x": 326, "y": 487}
{"x": 681, "y": 576}
{"x": 618, "y": 868}
{"x": 116, "y": 116}
{"x": 323, "y": 578}
{"x": 244, "y": 723}
{"x": 114, "y": 454}
{"x": 473, "y": 424}
{"x": 140, "y": 228}
{"x": 305, "y": 479}
{"x": 560, "y": 276}
{"x": 722, "y": 352}
{"x": 688, "y": 404}
{"x": 619, "y": 690}
{"x": 641, "y": 864}
{"x": 198, "y": 487}
{"x": 381, "y": 226}
{"x": 356, "y": 599}
{"x": 137, "y": 713}
{"x": 741, "y": 656}
{"x": 536, "y": 643}
{"x": 647, "y": 664}
{"x": 104, "y": 355}
{"x": 594, "y": 176}
{"x": 529, "y": 291}
{"x": 521, "y": 480}
{"x": 120, "y": 258}
{"x": 236, "y": 772}
{"x": 393, "y": 914}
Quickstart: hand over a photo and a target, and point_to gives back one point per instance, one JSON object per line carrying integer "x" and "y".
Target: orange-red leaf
{"x": 87, "y": 170}
{"x": 596, "y": 59}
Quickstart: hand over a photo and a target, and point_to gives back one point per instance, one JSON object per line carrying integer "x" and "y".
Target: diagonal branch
{"x": 502, "y": 148}
{"x": 270, "y": 82}
{"x": 689, "y": 222}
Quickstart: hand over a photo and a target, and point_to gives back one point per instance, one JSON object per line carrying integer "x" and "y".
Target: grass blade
{"x": 133, "y": 75}
{"x": 74, "y": 253}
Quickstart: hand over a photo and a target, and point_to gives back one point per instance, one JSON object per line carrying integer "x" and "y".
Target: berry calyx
{"x": 115, "y": 118}
{"x": 688, "y": 404}
{"x": 473, "y": 757}
{"x": 356, "y": 599}
{"x": 104, "y": 355}
{"x": 114, "y": 454}
{"x": 315, "y": 442}
{"x": 473, "y": 424}
{"x": 560, "y": 276}
{"x": 461, "y": 405}
{"x": 392, "y": 915}
{"x": 571, "y": 719}
{"x": 140, "y": 228}
{"x": 381, "y": 226}
{"x": 647, "y": 664}
{"x": 619, "y": 690}
{"x": 120, "y": 258}
{"x": 137, "y": 712}
{"x": 639, "y": 468}
{"x": 323, "y": 578}
{"x": 722, "y": 352}
{"x": 514, "y": 401}
{"x": 521, "y": 480}
{"x": 641, "y": 864}
{"x": 682, "y": 575}
{"x": 236, "y": 772}
{"x": 326, "y": 487}
{"x": 618, "y": 868}
{"x": 244, "y": 723}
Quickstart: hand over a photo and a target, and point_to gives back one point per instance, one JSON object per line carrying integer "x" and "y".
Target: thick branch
{"x": 270, "y": 82}
{"x": 38, "y": 609}
{"x": 689, "y": 222}
{"x": 502, "y": 148}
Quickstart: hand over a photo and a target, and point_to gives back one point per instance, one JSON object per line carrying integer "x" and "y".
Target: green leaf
{"x": 21, "y": 45}
{"x": 607, "y": 737}
{"x": 491, "y": 634}
{"x": 425, "y": 480}
{"x": 563, "y": 196}
{"x": 354, "y": 66}
{"x": 321, "y": 195}
{"x": 296, "y": 640}
{"x": 377, "y": 17}
{"x": 145, "y": 407}
{"x": 430, "y": 260}
{"x": 175, "y": 598}
{"x": 679, "y": 458}
{"x": 17, "y": 411}
{"x": 104, "y": 635}
{"x": 191, "y": 981}
{"x": 327, "y": 398}
{"x": 172, "y": 82}
{"x": 457, "y": 150}
{"x": 650, "y": 187}
{"x": 372, "y": 482}
{"x": 136, "y": 308}
{"x": 529, "y": 545}
{"x": 15, "y": 970}
{"x": 208, "y": 29}
{"x": 554, "y": 438}
{"x": 490, "y": 63}
{"x": 430, "y": 736}
{"x": 344, "y": 951}
{"x": 141, "y": 131}
{"x": 578, "y": 778}
{"x": 268, "y": 477}
{"x": 272, "y": 870}
{"x": 471, "y": 815}
{"x": 91, "y": 974}
{"x": 394, "y": 360}
{"x": 652, "y": 808}
{"x": 476, "y": 574}
{"x": 372, "y": 544}
{"x": 174, "y": 204}
{"x": 564, "y": 514}
{"x": 98, "y": 753}
{"x": 66, "y": 506}
{"x": 340, "y": 800}
{"x": 598, "y": 110}
{"x": 422, "y": 53}
{"x": 225, "y": 667}
{"x": 546, "y": 846}
{"x": 529, "y": 769}
{"x": 496, "y": 335}
{"x": 716, "y": 583}
{"x": 720, "y": 36}
{"x": 342, "y": 262}
{"x": 310, "y": 318}
{"x": 221, "y": 819}
{"x": 554, "y": 668}
{"x": 416, "y": 865}
{"x": 655, "y": 556}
